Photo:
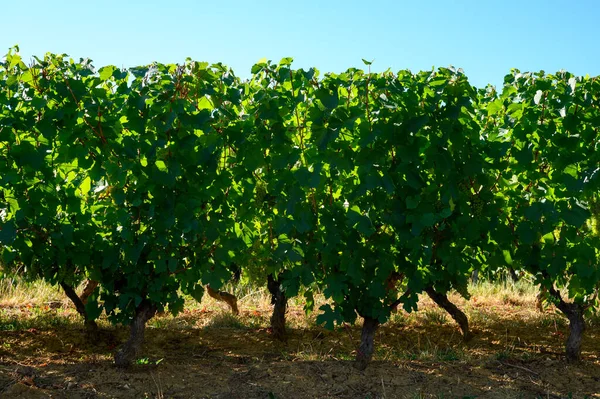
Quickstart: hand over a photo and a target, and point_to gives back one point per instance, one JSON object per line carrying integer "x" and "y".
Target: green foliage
{"x": 370, "y": 187}
{"x": 547, "y": 178}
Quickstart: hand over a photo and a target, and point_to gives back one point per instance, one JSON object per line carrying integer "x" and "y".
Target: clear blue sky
{"x": 485, "y": 38}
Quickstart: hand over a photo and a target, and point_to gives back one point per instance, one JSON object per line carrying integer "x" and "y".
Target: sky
{"x": 485, "y": 38}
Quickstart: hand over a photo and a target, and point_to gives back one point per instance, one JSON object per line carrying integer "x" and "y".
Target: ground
{"x": 207, "y": 353}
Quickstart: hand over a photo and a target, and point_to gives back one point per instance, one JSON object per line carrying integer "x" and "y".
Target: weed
{"x": 552, "y": 320}
{"x": 144, "y": 361}
{"x": 503, "y": 355}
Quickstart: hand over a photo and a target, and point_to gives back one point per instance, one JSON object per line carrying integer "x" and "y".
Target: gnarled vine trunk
{"x": 513, "y": 275}
{"x": 224, "y": 296}
{"x": 574, "y": 313}
{"x": 576, "y": 330}
{"x": 458, "y": 315}
{"x": 367, "y": 343}
{"x": 90, "y": 325}
{"x": 279, "y": 301}
{"x": 88, "y": 290}
{"x": 128, "y": 352}
{"x": 475, "y": 277}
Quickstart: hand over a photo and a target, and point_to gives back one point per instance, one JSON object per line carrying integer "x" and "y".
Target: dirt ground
{"x": 209, "y": 354}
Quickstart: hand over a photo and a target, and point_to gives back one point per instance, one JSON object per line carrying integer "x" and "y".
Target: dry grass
{"x": 16, "y": 292}
{"x": 489, "y": 303}
{"x": 516, "y": 349}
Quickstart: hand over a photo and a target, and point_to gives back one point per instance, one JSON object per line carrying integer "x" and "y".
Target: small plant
{"x": 552, "y": 320}
{"x": 503, "y": 355}
{"x": 144, "y": 361}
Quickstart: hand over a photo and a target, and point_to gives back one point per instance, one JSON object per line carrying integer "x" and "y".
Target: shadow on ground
{"x": 412, "y": 362}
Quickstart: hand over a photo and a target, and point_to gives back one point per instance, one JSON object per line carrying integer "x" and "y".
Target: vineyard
{"x": 354, "y": 195}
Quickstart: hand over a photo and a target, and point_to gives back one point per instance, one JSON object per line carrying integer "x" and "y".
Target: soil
{"x": 509, "y": 357}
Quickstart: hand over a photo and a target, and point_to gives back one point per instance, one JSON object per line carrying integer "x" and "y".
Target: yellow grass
{"x": 16, "y": 292}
